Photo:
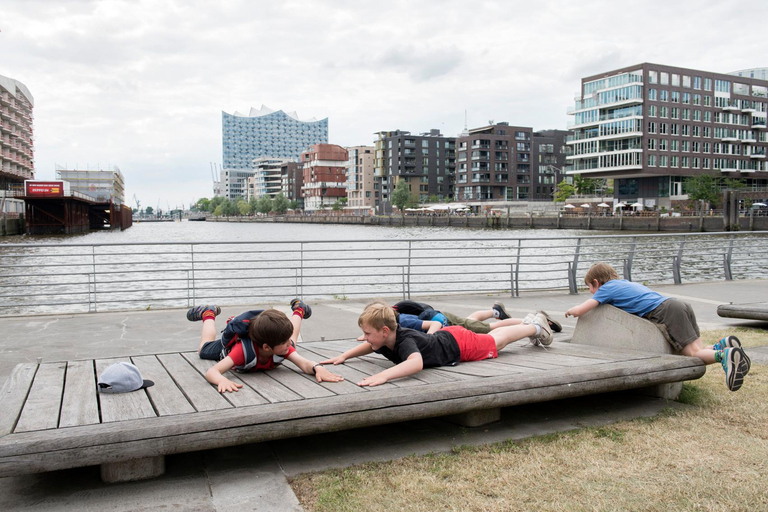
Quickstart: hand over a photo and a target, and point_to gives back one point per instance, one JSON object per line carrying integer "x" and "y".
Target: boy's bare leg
{"x": 696, "y": 349}
{"x": 296, "y": 321}
{"x": 483, "y": 314}
{"x": 506, "y": 335}
{"x": 208, "y": 333}
{"x": 505, "y": 323}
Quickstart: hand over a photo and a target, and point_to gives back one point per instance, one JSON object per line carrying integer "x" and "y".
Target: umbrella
{"x": 637, "y": 205}
{"x": 759, "y": 204}
{"x": 604, "y": 205}
{"x": 569, "y": 206}
{"x": 620, "y": 205}
{"x": 585, "y": 205}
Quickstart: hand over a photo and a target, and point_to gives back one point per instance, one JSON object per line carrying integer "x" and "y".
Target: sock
{"x": 299, "y": 311}
{"x": 209, "y": 315}
{"x": 495, "y": 313}
{"x": 538, "y": 329}
{"x": 719, "y": 356}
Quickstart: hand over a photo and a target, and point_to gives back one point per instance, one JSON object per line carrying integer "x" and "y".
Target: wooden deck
{"x": 54, "y": 418}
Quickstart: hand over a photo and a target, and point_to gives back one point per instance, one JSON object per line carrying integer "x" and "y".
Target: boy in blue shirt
{"x": 674, "y": 315}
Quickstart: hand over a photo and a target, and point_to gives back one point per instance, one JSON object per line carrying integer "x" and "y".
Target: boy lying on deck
{"x": 412, "y": 350}
{"x": 254, "y": 340}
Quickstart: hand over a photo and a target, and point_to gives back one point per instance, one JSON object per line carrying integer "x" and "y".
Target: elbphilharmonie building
{"x": 266, "y": 133}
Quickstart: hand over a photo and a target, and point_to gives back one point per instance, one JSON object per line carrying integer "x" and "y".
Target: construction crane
{"x": 138, "y": 203}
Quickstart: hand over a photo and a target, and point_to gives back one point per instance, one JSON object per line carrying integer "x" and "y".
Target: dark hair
{"x": 271, "y": 327}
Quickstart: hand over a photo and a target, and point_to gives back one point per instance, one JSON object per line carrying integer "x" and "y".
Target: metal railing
{"x": 64, "y": 278}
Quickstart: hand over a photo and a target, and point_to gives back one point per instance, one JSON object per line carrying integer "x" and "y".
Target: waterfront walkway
{"x": 256, "y": 474}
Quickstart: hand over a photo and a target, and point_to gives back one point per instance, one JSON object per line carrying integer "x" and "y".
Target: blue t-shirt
{"x": 414, "y": 322}
{"x": 631, "y": 297}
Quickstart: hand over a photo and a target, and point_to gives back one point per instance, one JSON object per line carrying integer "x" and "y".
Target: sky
{"x": 141, "y": 84}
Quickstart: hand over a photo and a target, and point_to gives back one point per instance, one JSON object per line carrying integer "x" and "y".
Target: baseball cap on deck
{"x": 122, "y": 378}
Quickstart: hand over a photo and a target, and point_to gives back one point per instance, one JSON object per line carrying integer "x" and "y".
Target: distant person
{"x": 413, "y": 350}
{"x": 674, "y": 315}
{"x": 423, "y": 317}
{"x": 254, "y": 340}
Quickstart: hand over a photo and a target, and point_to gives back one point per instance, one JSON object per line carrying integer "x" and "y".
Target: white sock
{"x": 538, "y": 329}
{"x": 495, "y": 313}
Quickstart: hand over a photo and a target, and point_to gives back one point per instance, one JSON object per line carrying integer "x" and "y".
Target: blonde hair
{"x": 600, "y": 272}
{"x": 377, "y": 315}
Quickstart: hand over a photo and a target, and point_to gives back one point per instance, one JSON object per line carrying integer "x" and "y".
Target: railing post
{"x": 517, "y": 268}
{"x": 95, "y": 291}
{"x": 727, "y": 260}
{"x": 191, "y": 278}
{"x": 572, "y": 268}
{"x": 300, "y": 290}
{"x": 628, "y": 261}
{"x": 405, "y": 292}
{"x": 677, "y": 261}
{"x": 410, "y": 244}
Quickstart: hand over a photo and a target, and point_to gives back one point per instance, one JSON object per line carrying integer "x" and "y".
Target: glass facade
{"x": 272, "y": 135}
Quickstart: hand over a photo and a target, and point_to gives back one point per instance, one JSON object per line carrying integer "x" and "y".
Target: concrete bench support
{"x": 610, "y": 327}
{"x": 135, "y": 469}
{"x": 475, "y": 418}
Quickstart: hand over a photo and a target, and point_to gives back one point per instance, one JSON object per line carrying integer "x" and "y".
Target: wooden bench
{"x": 54, "y": 418}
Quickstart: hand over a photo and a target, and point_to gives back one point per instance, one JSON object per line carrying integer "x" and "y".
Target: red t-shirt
{"x": 239, "y": 358}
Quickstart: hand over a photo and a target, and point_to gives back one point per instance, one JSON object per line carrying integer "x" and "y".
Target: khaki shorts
{"x": 679, "y": 321}
{"x": 467, "y": 323}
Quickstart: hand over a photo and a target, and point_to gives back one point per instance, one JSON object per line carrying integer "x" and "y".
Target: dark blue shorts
{"x": 212, "y": 350}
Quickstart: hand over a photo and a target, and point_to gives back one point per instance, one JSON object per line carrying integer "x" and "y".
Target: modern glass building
{"x": 266, "y": 133}
{"x": 16, "y": 134}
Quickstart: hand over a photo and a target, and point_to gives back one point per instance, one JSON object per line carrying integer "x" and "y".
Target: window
{"x": 707, "y": 116}
{"x": 696, "y": 131}
{"x": 653, "y": 77}
{"x": 663, "y": 161}
{"x": 705, "y": 147}
{"x": 722, "y": 86}
{"x": 696, "y": 146}
{"x": 686, "y": 114}
{"x": 675, "y": 97}
{"x": 686, "y": 130}
{"x": 520, "y": 136}
{"x": 651, "y": 160}
{"x": 705, "y": 163}
{"x": 664, "y": 78}
{"x": 664, "y": 111}
{"x": 674, "y": 145}
{"x": 697, "y": 99}
{"x": 686, "y": 81}
{"x": 651, "y": 127}
{"x": 673, "y": 161}
{"x": 675, "y": 79}
{"x": 697, "y": 82}
{"x": 663, "y": 95}
{"x": 424, "y": 143}
{"x": 686, "y": 98}
{"x": 675, "y": 113}
{"x": 663, "y": 144}
{"x": 685, "y": 146}
{"x": 652, "y": 144}
{"x": 663, "y": 128}
{"x": 652, "y": 94}
{"x": 674, "y": 129}
{"x": 697, "y": 115}
{"x": 707, "y": 84}
{"x": 652, "y": 110}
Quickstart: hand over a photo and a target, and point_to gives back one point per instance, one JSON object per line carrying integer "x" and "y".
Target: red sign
{"x": 45, "y": 188}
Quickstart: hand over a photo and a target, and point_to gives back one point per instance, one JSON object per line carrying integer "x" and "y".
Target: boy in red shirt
{"x": 254, "y": 340}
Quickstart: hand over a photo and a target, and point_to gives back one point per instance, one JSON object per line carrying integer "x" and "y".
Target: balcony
{"x": 758, "y": 153}
{"x": 731, "y": 106}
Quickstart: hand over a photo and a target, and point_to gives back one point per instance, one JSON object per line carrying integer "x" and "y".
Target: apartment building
{"x": 650, "y": 126}
{"x": 363, "y": 188}
{"x": 325, "y": 176}
{"x": 427, "y": 162}
{"x": 504, "y": 163}
{"x": 16, "y": 135}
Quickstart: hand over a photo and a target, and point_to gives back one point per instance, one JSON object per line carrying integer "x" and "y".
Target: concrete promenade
{"x": 255, "y": 477}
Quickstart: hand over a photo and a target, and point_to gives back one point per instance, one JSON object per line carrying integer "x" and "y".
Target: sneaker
{"x": 545, "y": 336}
{"x": 732, "y": 342}
{"x": 196, "y": 314}
{"x": 553, "y": 324}
{"x": 529, "y": 318}
{"x": 298, "y": 303}
{"x": 735, "y": 367}
{"x": 498, "y": 306}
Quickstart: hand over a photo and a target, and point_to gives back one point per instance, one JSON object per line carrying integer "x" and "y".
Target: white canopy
{"x": 637, "y": 205}
{"x": 569, "y": 206}
{"x": 759, "y": 204}
{"x": 604, "y": 205}
{"x": 585, "y": 205}
{"x": 620, "y": 205}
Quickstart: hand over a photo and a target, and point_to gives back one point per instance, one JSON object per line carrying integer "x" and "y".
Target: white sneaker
{"x": 545, "y": 336}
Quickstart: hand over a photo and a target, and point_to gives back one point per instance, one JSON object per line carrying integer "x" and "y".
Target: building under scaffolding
{"x": 102, "y": 185}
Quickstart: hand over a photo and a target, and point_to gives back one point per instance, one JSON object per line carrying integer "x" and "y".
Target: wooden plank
{"x": 351, "y": 376}
{"x": 165, "y": 395}
{"x": 41, "y": 410}
{"x": 42, "y": 451}
{"x": 589, "y": 351}
{"x": 14, "y": 394}
{"x": 268, "y": 388}
{"x": 80, "y": 405}
{"x": 298, "y": 384}
{"x": 245, "y": 397}
{"x": 198, "y": 391}
{"x": 122, "y": 406}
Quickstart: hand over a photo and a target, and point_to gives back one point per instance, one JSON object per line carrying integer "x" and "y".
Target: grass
{"x": 712, "y": 456}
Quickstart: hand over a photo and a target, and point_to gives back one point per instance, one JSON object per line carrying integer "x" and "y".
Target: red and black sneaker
{"x": 299, "y": 304}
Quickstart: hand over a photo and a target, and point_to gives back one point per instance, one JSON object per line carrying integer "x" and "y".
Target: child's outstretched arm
{"x": 587, "y": 305}
{"x": 362, "y": 349}
{"x": 215, "y": 376}
{"x": 312, "y": 368}
{"x": 431, "y": 326}
{"x": 414, "y": 364}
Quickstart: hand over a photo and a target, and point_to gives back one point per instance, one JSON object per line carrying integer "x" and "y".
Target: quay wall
{"x": 12, "y": 226}
{"x": 614, "y": 223}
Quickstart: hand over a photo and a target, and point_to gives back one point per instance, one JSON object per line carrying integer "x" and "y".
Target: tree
{"x": 586, "y": 186}
{"x": 244, "y": 207}
{"x": 215, "y": 202}
{"x": 293, "y": 205}
{"x": 229, "y": 208}
{"x": 280, "y": 203}
{"x": 149, "y": 210}
{"x": 702, "y": 187}
{"x": 218, "y": 211}
{"x": 203, "y": 204}
{"x": 339, "y": 204}
{"x": 264, "y": 205}
{"x": 401, "y": 197}
{"x": 563, "y": 191}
